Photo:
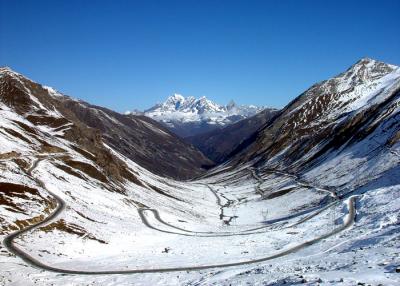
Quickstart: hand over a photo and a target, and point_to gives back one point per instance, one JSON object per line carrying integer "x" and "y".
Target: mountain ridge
{"x": 328, "y": 103}
{"x": 188, "y": 116}
{"x": 137, "y": 137}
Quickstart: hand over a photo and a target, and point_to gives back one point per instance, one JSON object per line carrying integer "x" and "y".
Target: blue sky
{"x": 131, "y": 54}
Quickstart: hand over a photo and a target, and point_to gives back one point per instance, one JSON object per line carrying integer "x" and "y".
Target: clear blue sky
{"x": 131, "y": 54}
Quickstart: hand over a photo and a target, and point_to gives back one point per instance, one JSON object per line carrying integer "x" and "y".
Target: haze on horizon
{"x": 129, "y": 55}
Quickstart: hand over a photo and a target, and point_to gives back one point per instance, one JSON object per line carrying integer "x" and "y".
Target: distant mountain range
{"x": 189, "y": 116}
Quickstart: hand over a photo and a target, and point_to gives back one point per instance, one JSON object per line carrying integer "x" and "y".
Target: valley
{"x": 91, "y": 196}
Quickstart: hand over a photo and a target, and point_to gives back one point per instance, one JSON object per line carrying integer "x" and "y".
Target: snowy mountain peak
{"x": 367, "y": 69}
{"x": 177, "y": 102}
{"x": 369, "y": 62}
{"x": 177, "y": 96}
{"x": 5, "y": 68}
{"x": 7, "y": 71}
{"x": 174, "y": 101}
{"x": 178, "y": 110}
{"x": 362, "y": 86}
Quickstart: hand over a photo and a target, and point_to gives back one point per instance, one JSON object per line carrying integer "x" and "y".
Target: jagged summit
{"x": 331, "y": 113}
{"x": 177, "y": 102}
{"x": 5, "y": 68}
{"x": 370, "y": 61}
{"x": 346, "y": 92}
{"x": 174, "y": 101}
{"x": 366, "y": 69}
{"x": 188, "y": 116}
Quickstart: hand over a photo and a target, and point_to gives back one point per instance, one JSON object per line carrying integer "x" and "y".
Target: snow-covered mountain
{"x": 190, "y": 116}
{"x": 329, "y": 114}
{"x": 309, "y": 198}
{"x": 137, "y": 137}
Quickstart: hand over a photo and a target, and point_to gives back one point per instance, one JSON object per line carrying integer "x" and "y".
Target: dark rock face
{"x": 90, "y": 127}
{"x": 13, "y": 95}
{"x": 219, "y": 144}
{"x": 187, "y": 129}
{"x": 143, "y": 140}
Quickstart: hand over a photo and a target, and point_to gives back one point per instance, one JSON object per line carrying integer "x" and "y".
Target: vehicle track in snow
{"x": 257, "y": 230}
{"x": 299, "y": 181}
{"x": 13, "y": 248}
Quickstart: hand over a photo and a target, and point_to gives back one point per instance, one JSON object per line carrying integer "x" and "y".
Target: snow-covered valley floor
{"x": 228, "y": 223}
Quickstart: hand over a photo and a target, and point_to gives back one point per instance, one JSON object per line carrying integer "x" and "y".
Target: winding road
{"x": 13, "y": 248}
{"x": 299, "y": 181}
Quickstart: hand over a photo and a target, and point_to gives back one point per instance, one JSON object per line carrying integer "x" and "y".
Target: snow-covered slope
{"x": 190, "y": 116}
{"x": 327, "y": 214}
{"x": 140, "y": 138}
{"x": 330, "y": 115}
